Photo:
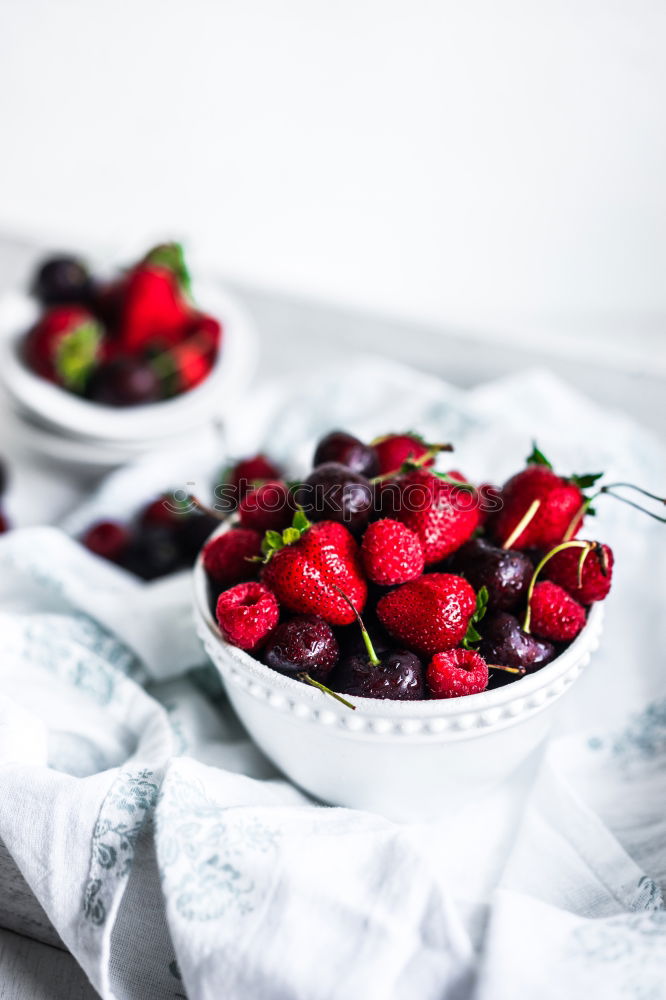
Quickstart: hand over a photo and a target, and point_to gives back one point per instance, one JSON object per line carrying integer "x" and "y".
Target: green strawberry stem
{"x": 586, "y": 547}
{"x": 522, "y": 524}
{"x": 322, "y": 687}
{"x": 273, "y": 541}
{"x": 372, "y": 656}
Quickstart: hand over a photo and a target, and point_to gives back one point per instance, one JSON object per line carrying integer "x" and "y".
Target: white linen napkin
{"x": 174, "y": 861}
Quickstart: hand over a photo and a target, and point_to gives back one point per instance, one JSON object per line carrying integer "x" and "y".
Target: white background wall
{"x": 493, "y": 164}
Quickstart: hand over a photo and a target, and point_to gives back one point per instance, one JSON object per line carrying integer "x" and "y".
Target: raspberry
{"x": 554, "y": 614}
{"x": 107, "y": 539}
{"x": 225, "y": 558}
{"x": 391, "y": 553}
{"x": 247, "y": 614}
{"x": 455, "y": 673}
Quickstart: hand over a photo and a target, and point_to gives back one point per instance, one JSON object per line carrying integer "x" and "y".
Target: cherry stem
{"x": 632, "y": 486}
{"x": 372, "y": 656}
{"x": 322, "y": 687}
{"x": 414, "y": 463}
{"x": 507, "y": 670}
{"x": 205, "y": 509}
{"x": 522, "y": 524}
{"x": 587, "y": 546}
{"x": 580, "y": 513}
{"x": 636, "y": 506}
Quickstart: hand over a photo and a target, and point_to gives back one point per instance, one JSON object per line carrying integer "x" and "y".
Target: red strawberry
{"x": 595, "y": 578}
{"x": 455, "y": 673}
{"x": 65, "y": 346}
{"x": 489, "y": 502}
{"x": 154, "y": 312}
{"x": 226, "y": 558}
{"x": 207, "y": 333}
{"x": 429, "y": 615}
{"x": 310, "y": 564}
{"x": 269, "y": 507}
{"x": 554, "y": 614}
{"x": 559, "y": 499}
{"x": 551, "y": 506}
{"x": 191, "y": 365}
{"x": 442, "y": 514}
{"x": 391, "y": 553}
{"x": 396, "y": 449}
{"x": 251, "y": 472}
{"x": 247, "y": 614}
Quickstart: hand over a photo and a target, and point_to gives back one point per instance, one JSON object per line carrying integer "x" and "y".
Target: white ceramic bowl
{"x": 406, "y": 760}
{"x": 66, "y": 427}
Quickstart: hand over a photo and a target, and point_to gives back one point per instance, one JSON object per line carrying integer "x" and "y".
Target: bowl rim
{"x": 534, "y": 688}
{"x": 67, "y": 413}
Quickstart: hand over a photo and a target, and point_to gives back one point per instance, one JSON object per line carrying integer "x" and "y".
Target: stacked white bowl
{"x": 72, "y": 431}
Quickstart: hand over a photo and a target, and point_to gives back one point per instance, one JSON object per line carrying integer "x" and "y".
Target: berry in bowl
{"x": 109, "y": 369}
{"x": 399, "y": 642}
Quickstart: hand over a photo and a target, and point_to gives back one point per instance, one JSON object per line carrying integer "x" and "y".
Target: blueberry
{"x": 332, "y": 492}
{"x": 345, "y": 449}
{"x": 60, "y": 280}
{"x": 304, "y": 644}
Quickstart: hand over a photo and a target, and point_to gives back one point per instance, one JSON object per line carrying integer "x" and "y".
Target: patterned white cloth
{"x": 174, "y": 861}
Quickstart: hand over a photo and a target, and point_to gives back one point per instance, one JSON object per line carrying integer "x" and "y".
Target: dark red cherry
{"x": 124, "y": 382}
{"x": 505, "y": 642}
{"x": 304, "y": 644}
{"x": 345, "y": 449}
{"x": 60, "y": 280}
{"x": 506, "y": 573}
{"x": 397, "y": 676}
{"x": 332, "y": 492}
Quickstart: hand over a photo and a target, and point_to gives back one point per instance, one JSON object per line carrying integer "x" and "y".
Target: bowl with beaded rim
{"x": 406, "y": 760}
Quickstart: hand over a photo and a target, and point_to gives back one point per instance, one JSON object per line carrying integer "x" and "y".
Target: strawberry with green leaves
{"x": 540, "y": 508}
{"x": 431, "y": 614}
{"x": 315, "y": 569}
{"x": 65, "y": 346}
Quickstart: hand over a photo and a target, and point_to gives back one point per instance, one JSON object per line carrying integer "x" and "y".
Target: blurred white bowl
{"x": 67, "y": 428}
{"x": 405, "y": 760}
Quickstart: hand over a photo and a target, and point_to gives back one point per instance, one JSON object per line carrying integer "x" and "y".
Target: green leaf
{"x": 589, "y": 479}
{"x": 290, "y": 535}
{"x": 300, "y": 522}
{"x": 537, "y": 457}
{"x": 472, "y": 635}
{"x": 171, "y": 256}
{"x": 77, "y": 354}
{"x": 274, "y": 539}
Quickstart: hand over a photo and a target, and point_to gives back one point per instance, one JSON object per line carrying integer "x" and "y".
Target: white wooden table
{"x": 294, "y": 333}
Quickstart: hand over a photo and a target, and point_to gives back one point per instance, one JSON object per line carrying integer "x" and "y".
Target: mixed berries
{"x": 136, "y": 340}
{"x": 462, "y": 587}
{"x": 164, "y": 537}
